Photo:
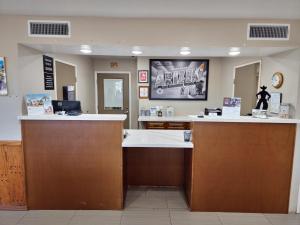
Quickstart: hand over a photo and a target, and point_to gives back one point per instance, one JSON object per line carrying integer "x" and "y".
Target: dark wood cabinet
{"x": 167, "y": 125}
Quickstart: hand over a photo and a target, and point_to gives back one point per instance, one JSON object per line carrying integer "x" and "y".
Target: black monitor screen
{"x": 66, "y": 106}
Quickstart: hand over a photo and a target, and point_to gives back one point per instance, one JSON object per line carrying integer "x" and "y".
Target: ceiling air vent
{"x": 258, "y": 31}
{"x": 43, "y": 28}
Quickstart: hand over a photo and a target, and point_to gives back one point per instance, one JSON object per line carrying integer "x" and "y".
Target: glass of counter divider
{"x": 187, "y": 135}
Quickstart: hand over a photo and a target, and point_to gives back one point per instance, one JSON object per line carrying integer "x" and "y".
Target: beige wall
{"x": 118, "y": 32}
{"x": 214, "y": 98}
{"x": 125, "y": 64}
{"x": 30, "y": 67}
{"x": 288, "y": 63}
{"x": 85, "y": 79}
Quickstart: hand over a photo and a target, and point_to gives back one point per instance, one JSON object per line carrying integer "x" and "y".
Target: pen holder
{"x": 187, "y": 134}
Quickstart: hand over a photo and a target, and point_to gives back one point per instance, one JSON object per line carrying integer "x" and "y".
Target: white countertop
{"x": 194, "y": 118}
{"x": 91, "y": 117}
{"x": 156, "y": 138}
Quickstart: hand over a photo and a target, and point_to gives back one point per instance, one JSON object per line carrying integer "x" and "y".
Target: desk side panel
{"x": 73, "y": 164}
{"x": 242, "y": 167}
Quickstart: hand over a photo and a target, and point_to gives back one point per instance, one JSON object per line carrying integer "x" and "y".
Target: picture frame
{"x": 3, "y": 77}
{"x": 143, "y": 76}
{"x": 143, "y": 92}
{"x": 179, "y": 79}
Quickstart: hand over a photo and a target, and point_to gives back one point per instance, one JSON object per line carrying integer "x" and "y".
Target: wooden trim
{"x": 13, "y": 208}
{"x": 13, "y": 142}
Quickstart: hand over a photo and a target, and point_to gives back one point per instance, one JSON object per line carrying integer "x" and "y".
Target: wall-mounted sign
{"x": 48, "y": 72}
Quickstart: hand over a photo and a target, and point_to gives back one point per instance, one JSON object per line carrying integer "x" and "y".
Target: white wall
{"x": 189, "y": 107}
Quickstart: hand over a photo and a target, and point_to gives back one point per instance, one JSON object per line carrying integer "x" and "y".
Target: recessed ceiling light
{"x": 85, "y": 49}
{"x": 234, "y": 53}
{"x": 185, "y": 51}
{"x": 136, "y": 52}
{"x": 234, "y": 49}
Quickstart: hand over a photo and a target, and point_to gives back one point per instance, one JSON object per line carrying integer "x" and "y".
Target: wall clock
{"x": 277, "y": 80}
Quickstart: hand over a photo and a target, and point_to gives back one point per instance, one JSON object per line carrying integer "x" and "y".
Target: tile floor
{"x": 145, "y": 206}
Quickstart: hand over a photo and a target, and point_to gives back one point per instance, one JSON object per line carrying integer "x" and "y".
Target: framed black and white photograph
{"x": 179, "y": 79}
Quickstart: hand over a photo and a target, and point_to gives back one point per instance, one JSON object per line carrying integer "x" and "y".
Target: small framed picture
{"x": 143, "y": 92}
{"x": 3, "y": 78}
{"x": 143, "y": 76}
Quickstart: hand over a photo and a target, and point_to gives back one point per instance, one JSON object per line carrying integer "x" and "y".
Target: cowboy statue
{"x": 264, "y": 98}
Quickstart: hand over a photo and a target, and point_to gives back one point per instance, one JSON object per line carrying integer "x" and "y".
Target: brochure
{"x": 231, "y": 107}
{"x": 39, "y": 104}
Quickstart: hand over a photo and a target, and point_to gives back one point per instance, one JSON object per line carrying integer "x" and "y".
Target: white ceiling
{"x": 269, "y": 9}
{"x": 156, "y": 51}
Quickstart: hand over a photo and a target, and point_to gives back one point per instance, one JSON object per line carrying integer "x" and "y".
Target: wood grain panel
{"x": 242, "y": 167}
{"x": 73, "y": 164}
{"x": 155, "y": 167}
{"x": 188, "y": 154}
{"x": 12, "y": 181}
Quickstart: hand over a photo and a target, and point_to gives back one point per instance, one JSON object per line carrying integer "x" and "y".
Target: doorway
{"x": 65, "y": 75}
{"x": 113, "y": 94}
{"x": 246, "y": 85}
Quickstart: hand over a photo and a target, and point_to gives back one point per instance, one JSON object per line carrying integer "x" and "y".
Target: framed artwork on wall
{"x": 3, "y": 77}
{"x": 179, "y": 79}
{"x": 143, "y": 92}
{"x": 143, "y": 76}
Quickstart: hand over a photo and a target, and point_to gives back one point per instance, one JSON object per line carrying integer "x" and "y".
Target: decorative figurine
{"x": 264, "y": 98}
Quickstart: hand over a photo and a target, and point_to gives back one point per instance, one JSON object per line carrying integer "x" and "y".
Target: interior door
{"x": 113, "y": 94}
{"x": 245, "y": 86}
{"x": 65, "y": 76}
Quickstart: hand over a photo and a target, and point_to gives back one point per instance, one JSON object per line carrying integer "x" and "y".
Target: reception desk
{"x": 234, "y": 165}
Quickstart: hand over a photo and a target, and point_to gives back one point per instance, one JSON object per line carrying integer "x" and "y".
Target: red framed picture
{"x": 143, "y": 76}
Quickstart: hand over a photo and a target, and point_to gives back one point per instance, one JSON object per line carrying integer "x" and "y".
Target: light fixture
{"x": 234, "y": 49}
{"x": 185, "y": 51}
{"x": 234, "y": 53}
{"x": 136, "y": 52}
{"x": 85, "y": 49}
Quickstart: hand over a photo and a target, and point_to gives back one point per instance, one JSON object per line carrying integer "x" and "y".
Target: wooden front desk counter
{"x": 73, "y": 162}
{"x": 242, "y": 165}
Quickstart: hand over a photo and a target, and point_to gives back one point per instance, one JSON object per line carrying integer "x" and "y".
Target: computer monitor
{"x": 68, "y": 106}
